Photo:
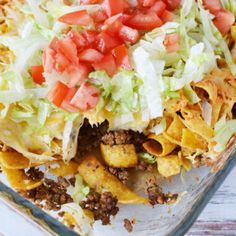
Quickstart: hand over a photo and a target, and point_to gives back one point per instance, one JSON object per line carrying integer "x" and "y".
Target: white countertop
{"x": 218, "y": 218}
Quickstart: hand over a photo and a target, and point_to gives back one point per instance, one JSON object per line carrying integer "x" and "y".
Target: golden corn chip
{"x": 193, "y": 141}
{"x": 169, "y": 165}
{"x": 174, "y": 132}
{"x": 14, "y": 160}
{"x": 195, "y": 123}
{"x": 216, "y": 108}
{"x": 19, "y": 180}
{"x": 119, "y": 156}
{"x": 158, "y": 145}
{"x": 209, "y": 86}
{"x": 175, "y": 104}
{"x": 97, "y": 177}
{"x": 186, "y": 163}
{"x": 60, "y": 168}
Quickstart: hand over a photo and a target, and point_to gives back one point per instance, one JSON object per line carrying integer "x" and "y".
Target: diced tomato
{"x": 86, "y": 97}
{"x": 67, "y": 2}
{"x": 61, "y": 63}
{"x": 105, "y": 42}
{"x": 76, "y": 18}
{"x": 125, "y": 17}
{"x": 212, "y": 5}
{"x": 90, "y": 37}
{"x": 121, "y": 57}
{"x": 37, "y": 74}
{"x": 224, "y": 20}
{"x": 65, "y": 105}
{"x": 173, "y": 4}
{"x": 146, "y": 21}
{"x": 113, "y": 7}
{"x": 87, "y": 2}
{"x": 68, "y": 48}
{"x": 113, "y": 25}
{"x": 107, "y": 64}
{"x": 58, "y": 93}
{"x": 99, "y": 16}
{"x": 159, "y": 7}
{"x": 171, "y": 42}
{"x": 48, "y": 59}
{"x": 78, "y": 74}
{"x": 90, "y": 55}
{"x": 146, "y": 3}
{"x": 167, "y": 16}
{"x": 78, "y": 40}
{"x": 129, "y": 34}
{"x": 54, "y": 44}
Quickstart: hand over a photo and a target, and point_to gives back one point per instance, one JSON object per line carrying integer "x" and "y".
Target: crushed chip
{"x": 119, "y": 156}
{"x": 193, "y": 141}
{"x": 97, "y": 177}
{"x": 14, "y": 160}
{"x": 60, "y": 168}
{"x": 169, "y": 165}
{"x": 158, "y": 145}
{"x": 19, "y": 180}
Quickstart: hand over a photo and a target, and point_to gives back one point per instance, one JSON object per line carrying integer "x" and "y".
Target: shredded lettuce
{"x": 80, "y": 190}
{"x": 224, "y": 130}
{"x": 147, "y": 157}
{"x": 229, "y": 5}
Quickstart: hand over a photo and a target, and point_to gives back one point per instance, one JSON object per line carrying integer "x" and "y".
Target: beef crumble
{"x": 124, "y": 137}
{"x": 53, "y": 193}
{"x": 156, "y": 196}
{"x": 34, "y": 174}
{"x": 121, "y": 173}
{"x": 128, "y": 225}
{"x": 144, "y": 166}
{"x": 90, "y": 136}
{"x": 103, "y": 206}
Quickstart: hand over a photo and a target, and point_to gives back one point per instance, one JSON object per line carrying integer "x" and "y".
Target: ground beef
{"x": 156, "y": 196}
{"x": 102, "y": 205}
{"x": 53, "y": 193}
{"x": 144, "y": 166}
{"x": 121, "y": 173}
{"x": 124, "y": 137}
{"x": 128, "y": 225}
{"x": 90, "y": 136}
{"x": 34, "y": 174}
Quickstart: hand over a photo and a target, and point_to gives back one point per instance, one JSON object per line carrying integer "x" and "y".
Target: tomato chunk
{"x": 90, "y": 55}
{"x": 113, "y": 7}
{"x": 113, "y": 25}
{"x": 61, "y": 62}
{"x": 77, "y": 74}
{"x": 37, "y": 74}
{"x": 65, "y": 105}
{"x": 58, "y": 93}
{"x": 48, "y": 59}
{"x": 78, "y": 40}
{"x": 105, "y": 42}
{"x": 76, "y": 18}
{"x": 224, "y": 20}
{"x": 107, "y": 64}
{"x": 212, "y": 5}
{"x": 167, "y": 16}
{"x": 159, "y": 7}
{"x": 99, "y": 16}
{"x": 171, "y": 42}
{"x": 146, "y": 3}
{"x": 173, "y": 4}
{"x": 143, "y": 21}
{"x": 90, "y": 37}
{"x": 121, "y": 57}
{"x": 86, "y": 2}
{"x": 86, "y": 97}
{"x": 68, "y": 48}
{"x": 129, "y": 34}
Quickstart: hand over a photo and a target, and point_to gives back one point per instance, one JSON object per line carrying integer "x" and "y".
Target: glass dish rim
{"x": 181, "y": 229}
